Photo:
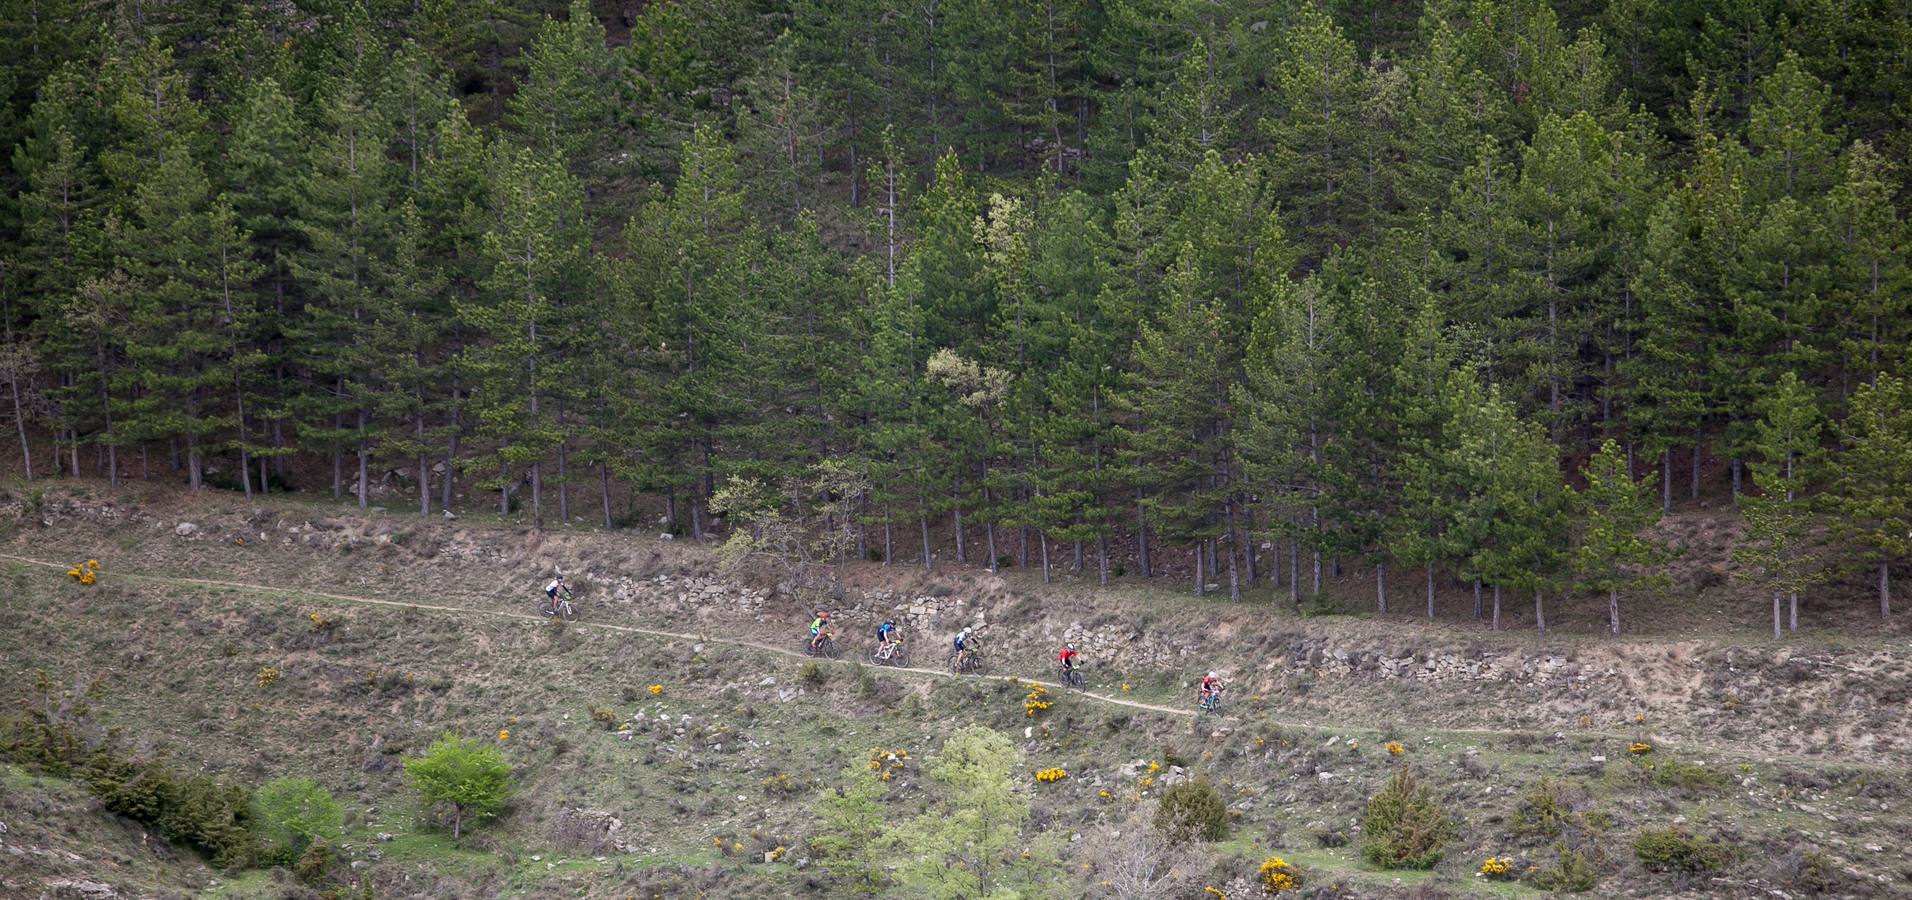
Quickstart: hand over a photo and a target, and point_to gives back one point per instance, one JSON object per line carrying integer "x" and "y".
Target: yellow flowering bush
{"x": 657, "y": 690}
{"x": 1214, "y": 892}
{"x": 887, "y": 763}
{"x": 86, "y": 572}
{"x": 1034, "y": 701}
{"x": 267, "y": 675}
{"x": 319, "y": 621}
{"x": 1395, "y": 748}
{"x": 504, "y": 734}
{"x": 1104, "y": 794}
{"x": 1497, "y": 867}
{"x": 1053, "y": 773}
{"x": 1277, "y": 876}
{"x": 1639, "y": 747}
{"x": 776, "y": 854}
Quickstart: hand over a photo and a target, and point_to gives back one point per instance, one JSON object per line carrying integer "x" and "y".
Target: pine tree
{"x": 1870, "y": 500}
{"x": 342, "y": 216}
{"x": 1777, "y": 552}
{"x": 521, "y": 362}
{"x": 1611, "y": 555}
{"x": 568, "y": 104}
{"x": 1870, "y": 276}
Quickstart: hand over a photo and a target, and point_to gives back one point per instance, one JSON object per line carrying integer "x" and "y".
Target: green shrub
{"x": 469, "y": 776}
{"x": 605, "y": 716}
{"x": 315, "y": 864}
{"x": 1543, "y": 811}
{"x": 812, "y": 674}
{"x": 1192, "y": 810}
{"x": 1676, "y": 850}
{"x": 1571, "y": 873}
{"x": 1691, "y": 777}
{"x": 198, "y": 812}
{"x": 294, "y": 812}
{"x": 1405, "y": 827}
{"x": 779, "y": 785}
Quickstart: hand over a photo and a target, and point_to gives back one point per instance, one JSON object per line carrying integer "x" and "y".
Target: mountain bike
{"x": 561, "y": 608}
{"x": 1212, "y": 703}
{"x": 967, "y": 661}
{"x": 897, "y": 655}
{"x": 823, "y": 645}
{"x": 1070, "y": 676}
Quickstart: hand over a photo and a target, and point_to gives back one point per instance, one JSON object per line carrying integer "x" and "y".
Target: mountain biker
{"x": 1067, "y": 658}
{"x": 885, "y": 636}
{"x": 1211, "y": 688}
{"x": 962, "y": 646}
{"x": 552, "y": 590}
{"x": 816, "y": 628}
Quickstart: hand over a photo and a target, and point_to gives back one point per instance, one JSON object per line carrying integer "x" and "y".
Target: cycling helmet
{"x": 824, "y": 616}
{"x": 1213, "y": 675}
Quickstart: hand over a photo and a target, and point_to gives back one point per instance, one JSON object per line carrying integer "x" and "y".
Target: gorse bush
{"x": 1571, "y": 873}
{"x": 1677, "y": 850}
{"x": 1192, "y": 810}
{"x": 1405, "y": 827}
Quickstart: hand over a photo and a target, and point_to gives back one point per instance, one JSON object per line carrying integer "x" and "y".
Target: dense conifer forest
{"x": 1464, "y": 289}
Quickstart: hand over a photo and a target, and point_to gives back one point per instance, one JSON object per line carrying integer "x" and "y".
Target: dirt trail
{"x": 603, "y": 626}
{"x": 782, "y": 651}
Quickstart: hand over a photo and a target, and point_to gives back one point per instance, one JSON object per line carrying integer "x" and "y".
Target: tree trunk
{"x": 1736, "y": 470}
{"x": 1613, "y": 611}
{"x": 1295, "y": 574}
{"x": 1201, "y": 582}
{"x": 1430, "y": 590}
{"x": 1496, "y": 623}
{"x": 1666, "y": 480}
{"x": 451, "y": 449}
{"x": 1075, "y": 568}
{"x": 1142, "y": 536}
{"x": 1476, "y": 598}
{"x": 1885, "y": 589}
{"x": 364, "y": 464}
{"x": 537, "y": 496}
{"x": 1381, "y": 587}
{"x": 1792, "y": 614}
{"x": 20, "y": 423}
{"x": 1102, "y": 558}
{"x": 1776, "y": 598}
{"x": 195, "y": 464}
{"x": 1235, "y": 549}
{"x": 604, "y": 483}
{"x": 1540, "y": 615}
{"x": 923, "y": 521}
{"x": 424, "y": 471}
{"x": 1695, "y": 477}
{"x": 564, "y": 478}
{"x": 956, "y": 525}
{"x": 889, "y": 543}
{"x": 1043, "y": 540}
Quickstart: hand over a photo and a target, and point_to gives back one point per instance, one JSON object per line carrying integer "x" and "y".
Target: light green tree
{"x": 1778, "y": 553}
{"x": 970, "y": 845}
{"x": 467, "y": 775}
{"x": 1611, "y": 554}
{"x": 293, "y": 812}
{"x": 854, "y": 821}
{"x": 1871, "y": 496}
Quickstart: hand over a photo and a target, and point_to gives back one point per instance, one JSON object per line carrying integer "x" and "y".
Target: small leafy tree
{"x": 853, "y": 823}
{"x": 293, "y": 812}
{"x": 970, "y": 844}
{"x": 804, "y": 522}
{"x": 1611, "y": 555}
{"x": 468, "y": 775}
{"x": 1406, "y": 827}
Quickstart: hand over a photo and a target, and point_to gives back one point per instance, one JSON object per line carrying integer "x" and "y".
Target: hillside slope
{"x": 1785, "y": 752}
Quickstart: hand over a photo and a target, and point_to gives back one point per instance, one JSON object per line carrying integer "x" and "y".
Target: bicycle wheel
{"x": 828, "y": 649}
{"x": 900, "y": 658}
{"x": 1071, "y": 678}
{"x": 976, "y": 664}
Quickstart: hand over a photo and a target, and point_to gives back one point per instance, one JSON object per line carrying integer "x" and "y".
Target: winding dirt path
{"x": 934, "y": 673}
{"x": 602, "y": 626}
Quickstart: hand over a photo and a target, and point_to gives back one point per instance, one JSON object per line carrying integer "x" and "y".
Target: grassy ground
{"x": 697, "y": 783}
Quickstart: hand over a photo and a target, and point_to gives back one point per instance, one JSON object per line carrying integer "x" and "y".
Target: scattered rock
{"x": 1324, "y": 777}
{"x": 183, "y": 529}
{"x": 385, "y": 836}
